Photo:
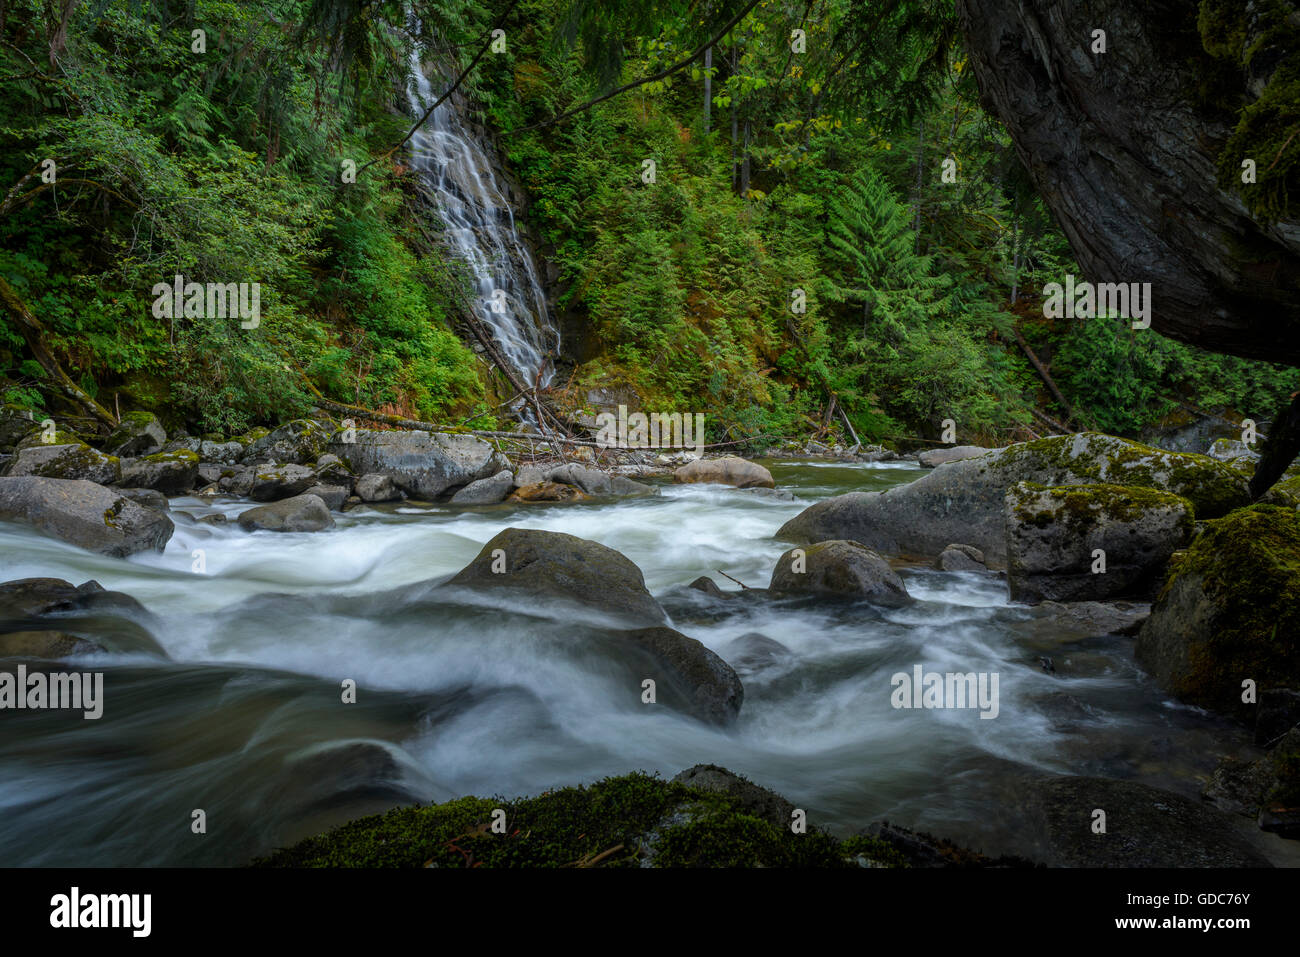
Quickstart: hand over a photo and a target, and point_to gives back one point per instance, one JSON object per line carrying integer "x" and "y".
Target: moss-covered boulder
{"x": 963, "y": 501}
{"x": 842, "y": 569}
{"x": 138, "y": 433}
{"x": 294, "y": 443}
{"x": 15, "y": 423}
{"x": 64, "y": 460}
{"x": 635, "y": 820}
{"x": 1055, "y": 535}
{"x": 1229, "y": 612}
{"x": 171, "y": 473}
{"x": 274, "y": 482}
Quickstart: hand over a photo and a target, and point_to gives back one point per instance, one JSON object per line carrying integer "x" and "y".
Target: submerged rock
{"x": 1054, "y": 534}
{"x": 1229, "y": 611}
{"x": 963, "y": 501}
{"x": 841, "y": 568}
{"x": 84, "y": 514}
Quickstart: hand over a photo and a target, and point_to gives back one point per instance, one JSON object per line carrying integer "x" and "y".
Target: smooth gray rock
{"x": 274, "y": 482}
{"x": 332, "y": 495}
{"x": 841, "y": 568}
{"x": 172, "y": 473}
{"x": 302, "y": 513}
{"x": 65, "y": 461}
{"x": 961, "y": 558}
{"x": 935, "y": 457}
{"x": 422, "y": 464}
{"x": 373, "y": 487}
{"x": 488, "y": 491}
{"x": 84, "y": 514}
{"x": 148, "y": 497}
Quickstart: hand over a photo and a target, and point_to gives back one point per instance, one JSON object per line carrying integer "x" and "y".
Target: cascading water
{"x": 480, "y": 231}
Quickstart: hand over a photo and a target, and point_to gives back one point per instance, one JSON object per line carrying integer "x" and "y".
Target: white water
{"x": 481, "y": 232}
{"x": 246, "y": 720}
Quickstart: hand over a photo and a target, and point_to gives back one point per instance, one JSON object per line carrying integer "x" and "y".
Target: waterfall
{"x": 480, "y": 231}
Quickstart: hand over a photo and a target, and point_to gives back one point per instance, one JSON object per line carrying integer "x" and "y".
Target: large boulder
{"x": 488, "y": 491}
{"x": 34, "y": 598}
{"x": 593, "y": 481}
{"x": 422, "y": 464}
{"x": 1229, "y": 612}
{"x": 728, "y": 470}
{"x": 1145, "y": 827}
{"x": 963, "y": 501}
{"x": 84, "y": 514}
{"x": 294, "y": 443}
{"x": 302, "y": 513}
{"x": 535, "y": 564}
{"x": 171, "y": 473}
{"x": 138, "y": 433}
{"x": 64, "y": 460}
{"x": 840, "y": 568}
{"x": 1053, "y": 535}
{"x": 936, "y": 457}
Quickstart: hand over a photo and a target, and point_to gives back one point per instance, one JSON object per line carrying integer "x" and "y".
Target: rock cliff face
{"x": 1123, "y": 147}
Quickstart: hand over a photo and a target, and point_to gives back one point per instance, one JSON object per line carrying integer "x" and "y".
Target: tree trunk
{"x": 708, "y": 88}
{"x": 1122, "y": 151}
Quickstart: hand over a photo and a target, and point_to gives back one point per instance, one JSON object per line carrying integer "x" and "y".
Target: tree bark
{"x": 1123, "y": 153}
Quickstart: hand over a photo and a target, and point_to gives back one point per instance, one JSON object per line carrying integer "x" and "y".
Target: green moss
{"x": 631, "y": 820}
{"x": 1081, "y": 507}
{"x": 1212, "y": 487}
{"x": 1248, "y": 565}
{"x": 179, "y": 455}
{"x": 252, "y": 435}
{"x": 112, "y": 512}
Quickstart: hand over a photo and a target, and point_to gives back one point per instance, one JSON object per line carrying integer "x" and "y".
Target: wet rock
{"x": 220, "y": 453}
{"x": 1277, "y": 713}
{"x": 552, "y": 565}
{"x": 1076, "y": 620}
{"x": 961, "y": 558}
{"x": 1145, "y": 827}
{"x": 240, "y": 482}
{"x": 34, "y": 598}
{"x": 44, "y": 644}
{"x": 707, "y": 585}
{"x": 935, "y": 457}
{"x": 84, "y": 514}
{"x": 921, "y": 850}
{"x": 372, "y": 487}
{"x": 728, "y": 470}
{"x": 330, "y": 470}
{"x": 275, "y": 482}
{"x": 138, "y": 433}
{"x": 1053, "y": 535}
{"x": 754, "y": 651}
{"x": 547, "y": 492}
{"x": 422, "y": 464}
{"x": 776, "y": 494}
{"x": 1229, "y": 611}
{"x": 488, "y": 491}
{"x": 842, "y": 568}
{"x": 172, "y": 473}
{"x": 963, "y": 501}
{"x": 302, "y": 513}
{"x": 687, "y": 675}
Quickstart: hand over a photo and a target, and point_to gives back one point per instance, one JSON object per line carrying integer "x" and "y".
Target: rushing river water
{"x": 244, "y": 720}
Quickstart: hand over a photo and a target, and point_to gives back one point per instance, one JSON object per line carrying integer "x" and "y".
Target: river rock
{"x": 331, "y": 470}
{"x": 548, "y": 492}
{"x": 1233, "y": 450}
{"x": 44, "y": 644}
{"x": 1145, "y": 827}
{"x": 687, "y": 674}
{"x": 14, "y": 424}
{"x": 171, "y": 473}
{"x": 274, "y": 482}
{"x": 294, "y": 443}
{"x": 728, "y": 470}
{"x": 935, "y": 457}
{"x": 552, "y": 565}
{"x": 138, "y": 433}
{"x": 84, "y": 514}
{"x": 961, "y": 558}
{"x": 332, "y": 495}
{"x": 754, "y": 651}
{"x": 148, "y": 497}
{"x": 373, "y": 487}
{"x": 488, "y": 491}
{"x": 422, "y": 464}
{"x": 1053, "y": 533}
{"x": 35, "y": 598}
{"x": 964, "y": 501}
{"x": 755, "y": 800}
{"x": 64, "y": 461}
{"x": 842, "y": 568}
{"x": 302, "y": 513}
{"x": 220, "y": 453}
{"x": 1229, "y": 611}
